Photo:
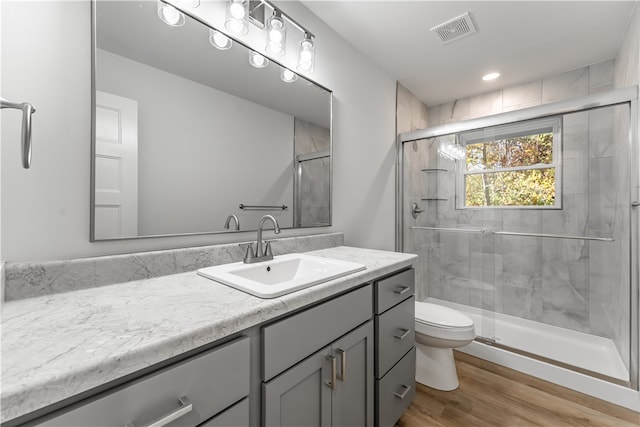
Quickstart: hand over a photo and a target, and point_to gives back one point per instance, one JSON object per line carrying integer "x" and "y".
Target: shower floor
{"x": 577, "y": 349}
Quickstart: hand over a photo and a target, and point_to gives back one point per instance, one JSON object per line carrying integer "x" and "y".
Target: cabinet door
{"x": 353, "y": 397}
{"x": 301, "y": 395}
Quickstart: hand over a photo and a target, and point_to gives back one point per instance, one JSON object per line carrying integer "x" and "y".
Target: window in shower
{"x": 513, "y": 165}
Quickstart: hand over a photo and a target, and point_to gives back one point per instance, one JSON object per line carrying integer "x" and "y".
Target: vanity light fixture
{"x": 306, "y": 54}
{"x": 257, "y": 60}
{"x": 276, "y": 34}
{"x": 170, "y": 15}
{"x": 490, "y": 76}
{"x": 237, "y": 16}
{"x": 219, "y": 40}
{"x": 288, "y": 76}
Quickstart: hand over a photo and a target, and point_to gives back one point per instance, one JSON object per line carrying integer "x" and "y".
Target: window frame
{"x": 551, "y": 124}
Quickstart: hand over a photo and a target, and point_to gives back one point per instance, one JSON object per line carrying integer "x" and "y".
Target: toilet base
{"x": 436, "y": 368}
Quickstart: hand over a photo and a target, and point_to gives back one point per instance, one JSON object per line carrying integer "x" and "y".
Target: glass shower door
{"x": 312, "y": 189}
{"x": 526, "y": 227}
{"x": 456, "y": 257}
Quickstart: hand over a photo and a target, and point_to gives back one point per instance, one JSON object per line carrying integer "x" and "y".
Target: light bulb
{"x": 237, "y": 20}
{"x": 490, "y": 76}
{"x": 288, "y": 76}
{"x": 306, "y": 54}
{"x": 237, "y": 10}
{"x": 276, "y": 35}
{"x": 258, "y": 60}
{"x": 170, "y": 15}
{"x": 235, "y": 26}
{"x": 219, "y": 40}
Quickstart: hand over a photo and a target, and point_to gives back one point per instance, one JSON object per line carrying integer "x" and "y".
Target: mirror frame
{"x": 92, "y": 177}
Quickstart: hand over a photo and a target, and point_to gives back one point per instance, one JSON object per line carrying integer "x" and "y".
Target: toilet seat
{"x": 443, "y": 323}
{"x": 440, "y": 316}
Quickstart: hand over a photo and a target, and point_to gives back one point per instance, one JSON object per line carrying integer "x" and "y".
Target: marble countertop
{"x": 57, "y": 346}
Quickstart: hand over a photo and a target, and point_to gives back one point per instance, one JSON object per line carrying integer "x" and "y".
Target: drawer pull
{"x": 403, "y": 393}
{"x": 342, "y": 376}
{"x": 402, "y": 290}
{"x": 334, "y": 374}
{"x": 405, "y": 333}
{"x": 184, "y": 408}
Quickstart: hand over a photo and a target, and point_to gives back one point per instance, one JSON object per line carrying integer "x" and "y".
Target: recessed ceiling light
{"x": 490, "y": 76}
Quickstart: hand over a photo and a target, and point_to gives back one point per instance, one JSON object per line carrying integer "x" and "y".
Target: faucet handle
{"x": 249, "y": 254}
{"x": 267, "y": 248}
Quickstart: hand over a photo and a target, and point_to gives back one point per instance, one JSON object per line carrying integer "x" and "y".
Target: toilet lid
{"x": 439, "y": 315}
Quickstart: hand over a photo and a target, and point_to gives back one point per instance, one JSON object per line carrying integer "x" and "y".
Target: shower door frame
{"x": 614, "y": 97}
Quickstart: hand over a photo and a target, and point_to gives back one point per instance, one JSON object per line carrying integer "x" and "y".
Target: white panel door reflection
{"x": 116, "y": 167}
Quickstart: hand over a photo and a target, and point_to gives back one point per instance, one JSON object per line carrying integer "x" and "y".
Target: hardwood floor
{"x": 492, "y": 395}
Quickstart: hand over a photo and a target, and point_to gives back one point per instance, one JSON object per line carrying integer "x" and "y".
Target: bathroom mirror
{"x": 185, "y": 133}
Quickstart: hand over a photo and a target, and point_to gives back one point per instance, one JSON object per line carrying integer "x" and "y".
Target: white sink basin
{"x": 283, "y": 274}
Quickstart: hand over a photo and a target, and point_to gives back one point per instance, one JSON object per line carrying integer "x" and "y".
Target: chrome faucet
{"x": 228, "y": 221}
{"x": 260, "y": 255}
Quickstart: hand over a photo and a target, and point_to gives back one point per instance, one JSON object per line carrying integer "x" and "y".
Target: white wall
{"x": 191, "y": 137}
{"x": 46, "y": 53}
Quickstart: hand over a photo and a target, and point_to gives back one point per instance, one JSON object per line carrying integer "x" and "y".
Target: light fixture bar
{"x": 290, "y": 19}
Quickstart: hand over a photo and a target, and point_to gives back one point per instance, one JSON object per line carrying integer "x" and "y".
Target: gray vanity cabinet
{"x": 332, "y": 384}
{"x": 185, "y": 394}
{"x": 395, "y": 346}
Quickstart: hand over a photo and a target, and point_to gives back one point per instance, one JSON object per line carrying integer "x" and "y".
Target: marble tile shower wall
{"x": 573, "y": 284}
{"x": 314, "y": 186}
{"x": 412, "y": 114}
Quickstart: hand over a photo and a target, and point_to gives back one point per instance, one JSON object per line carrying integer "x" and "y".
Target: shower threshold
{"x": 585, "y": 353}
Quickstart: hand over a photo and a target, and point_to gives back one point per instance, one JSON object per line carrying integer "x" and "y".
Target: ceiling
{"x": 523, "y": 40}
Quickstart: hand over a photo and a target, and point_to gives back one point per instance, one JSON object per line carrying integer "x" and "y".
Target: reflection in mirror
{"x": 185, "y": 133}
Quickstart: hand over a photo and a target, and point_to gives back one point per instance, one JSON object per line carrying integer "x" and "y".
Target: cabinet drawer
{"x": 394, "y": 289}
{"x": 292, "y": 339}
{"x": 236, "y": 416}
{"x": 396, "y": 390}
{"x": 396, "y": 335}
{"x": 211, "y": 382}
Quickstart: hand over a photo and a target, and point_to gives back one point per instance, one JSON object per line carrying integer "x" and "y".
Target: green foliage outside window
{"x": 521, "y": 187}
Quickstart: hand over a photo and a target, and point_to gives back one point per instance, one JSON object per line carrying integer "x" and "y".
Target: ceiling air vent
{"x": 455, "y": 28}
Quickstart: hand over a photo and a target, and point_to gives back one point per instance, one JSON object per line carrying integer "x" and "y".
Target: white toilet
{"x": 439, "y": 330}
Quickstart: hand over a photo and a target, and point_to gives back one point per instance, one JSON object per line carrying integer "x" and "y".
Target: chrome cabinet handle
{"x": 334, "y": 374}
{"x": 404, "y": 392}
{"x": 184, "y": 408}
{"x": 402, "y": 290}
{"x": 404, "y": 334}
{"x": 342, "y": 376}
